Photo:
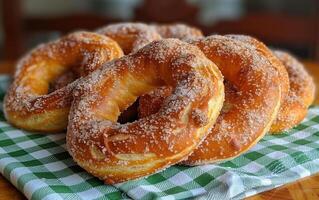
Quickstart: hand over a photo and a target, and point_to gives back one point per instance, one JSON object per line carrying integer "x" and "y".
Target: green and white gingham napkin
{"x": 40, "y": 167}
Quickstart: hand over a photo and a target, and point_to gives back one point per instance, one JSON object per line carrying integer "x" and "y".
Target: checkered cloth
{"x": 40, "y": 167}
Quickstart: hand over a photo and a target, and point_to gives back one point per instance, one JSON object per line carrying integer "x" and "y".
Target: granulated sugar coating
{"x": 251, "y": 102}
{"x": 252, "y": 98}
{"x": 117, "y": 152}
{"x": 29, "y": 103}
{"x": 130, "y": 36}
{"x": 265, "y": 51}
{"x": 180, "y": 31}
{"x": 300, "y": 96}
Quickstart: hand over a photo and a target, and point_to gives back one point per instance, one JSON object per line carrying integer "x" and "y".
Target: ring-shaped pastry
{"x": 29, "y": 104}
{"x": 118, "y": 152}
{"x": 252, "y": 99}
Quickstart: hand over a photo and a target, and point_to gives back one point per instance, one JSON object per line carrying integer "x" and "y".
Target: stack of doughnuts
{"x": 137, "y": 98}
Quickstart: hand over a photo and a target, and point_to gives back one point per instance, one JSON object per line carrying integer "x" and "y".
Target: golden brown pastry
{"x": 263, "y": 49}
{"x": 252, "y": 99}
{"x": 117, "y": 152}
{"x": 301, "y": 94}
{"x": 29, "y": 104}
{"x": 180, "y": 31}
{"x": 130, "y": 36}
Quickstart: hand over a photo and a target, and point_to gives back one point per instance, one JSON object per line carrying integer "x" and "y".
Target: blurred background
{"x": 289, "y": 24}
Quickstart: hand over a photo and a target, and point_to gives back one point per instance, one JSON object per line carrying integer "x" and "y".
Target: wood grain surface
{"x": 304, "y": 189}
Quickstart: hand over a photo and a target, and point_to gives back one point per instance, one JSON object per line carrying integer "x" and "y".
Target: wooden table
{"x": 307, "y": 188}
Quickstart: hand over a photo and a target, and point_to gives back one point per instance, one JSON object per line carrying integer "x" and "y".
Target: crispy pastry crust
{"x": 252, "y": 99}
{"x": 29, "y": 104}
{"x": 265, "y": 51}
{"x": 130, "y": 36}
{"x": 180, "y": 31}
{"x": 118, "y": 152}
{"x": 301, "y": 94}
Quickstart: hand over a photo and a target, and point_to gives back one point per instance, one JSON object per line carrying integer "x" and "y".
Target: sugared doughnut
{"x": 252, "y": 99}
{"x": 180, "y": 31}
{"x": 264, "y": 50}
{"x": 28, "y": 103}
{"x": 118, "y": 152}
{"x": 130, "y": 36}
{"x": 301, "y": 94}
{"x": 295, "y": 101}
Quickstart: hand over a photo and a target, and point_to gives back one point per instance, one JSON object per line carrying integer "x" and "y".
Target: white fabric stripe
{"x": 198, "y": 191}
{"x": 4, "y": 162}
{"x": 14, "y": 133}
{"x": 168, "y": 197}
{"x": 16, "y": 173}
{"x": 250, "y": 193}
{"x": 180, "y": 178}
{"x": 301, "y": 171}
{"x": 53, "y": 196}
{"x": 90, "y": 194}
{"x": 234, "y": 183}
{"x": 32, "y": 186}
{"x": 3, "y": 124}
{"x": 137, "y": 192}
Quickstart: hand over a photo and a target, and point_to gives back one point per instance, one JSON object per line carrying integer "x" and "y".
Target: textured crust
{"x": 252, "y": 99}
{"x": 28, "y": 103}
{"x": 265, "y": 51}
{"x": 180, "y": 31}
{"x": 130, "y": 36}
{"x": 301, "y": 94}
{"x": 118, "y": 152}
